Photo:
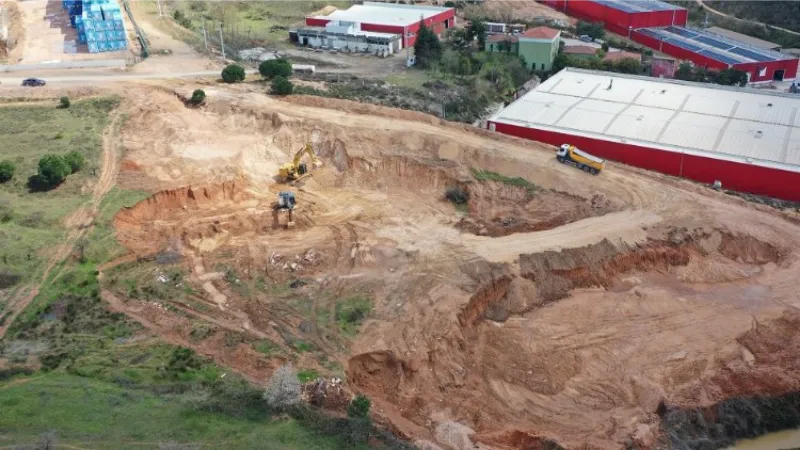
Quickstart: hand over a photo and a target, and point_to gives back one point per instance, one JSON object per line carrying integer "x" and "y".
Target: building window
{"x": 542, "y": 66}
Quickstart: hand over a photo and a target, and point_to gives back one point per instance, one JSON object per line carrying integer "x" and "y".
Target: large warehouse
{"x": 749, "y": 140}
{"x": 621, "y": 16}
{"x": 391, "y": 18}
{"x": 719, "y": 52}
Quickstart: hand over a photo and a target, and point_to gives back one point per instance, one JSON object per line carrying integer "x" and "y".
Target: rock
{"x": 426, "y": 445}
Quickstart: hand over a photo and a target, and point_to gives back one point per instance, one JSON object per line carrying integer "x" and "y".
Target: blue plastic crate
{"x": 93, "y": 48}
{"x": 119, "y": 25}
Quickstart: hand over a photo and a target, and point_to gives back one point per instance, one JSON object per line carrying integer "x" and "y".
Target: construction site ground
{"x": 565, "y": 308}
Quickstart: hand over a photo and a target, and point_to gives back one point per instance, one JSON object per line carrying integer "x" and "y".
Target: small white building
{"x": 347, "y": 36}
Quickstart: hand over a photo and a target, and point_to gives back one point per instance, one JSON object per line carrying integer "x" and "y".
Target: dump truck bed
{"x": 583, "y": 154}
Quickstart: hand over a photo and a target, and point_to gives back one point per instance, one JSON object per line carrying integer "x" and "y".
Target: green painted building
{"x": 539, "y": 47}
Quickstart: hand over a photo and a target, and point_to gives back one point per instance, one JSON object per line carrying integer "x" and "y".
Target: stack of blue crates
{"x": 99, "y": 24}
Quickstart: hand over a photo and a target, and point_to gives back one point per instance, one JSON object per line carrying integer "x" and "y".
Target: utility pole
{"x": 160, "y": 13}
{"x": 221, "y": 41}
{"x": 205, "y": 36}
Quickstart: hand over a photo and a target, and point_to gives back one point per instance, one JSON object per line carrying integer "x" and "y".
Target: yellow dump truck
{"x": 569, "y": 154}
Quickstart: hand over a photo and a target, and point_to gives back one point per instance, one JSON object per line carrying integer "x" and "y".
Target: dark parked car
{"x": 33, "y": 82}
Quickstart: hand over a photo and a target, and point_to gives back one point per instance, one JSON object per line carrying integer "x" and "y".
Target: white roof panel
{"x": 739, "y": 124}
{"x": 640, "y": 123}
{"x": 385, "y": 13}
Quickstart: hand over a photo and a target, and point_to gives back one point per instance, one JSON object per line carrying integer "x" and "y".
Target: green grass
{"x": 306, "y": 375}
{"x": 27, "y": 133}
{"x": 91, "y": 413}
{"x": 485, "y": 175}
{"x": 257, "y": 22}
{"x": 103, "y": 245}
{"x": 267, "y": 347}
{"x": 303, "y": 347}
{"x": 351, "y": 312}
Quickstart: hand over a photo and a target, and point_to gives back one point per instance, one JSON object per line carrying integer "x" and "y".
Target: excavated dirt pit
{"x": 536, "y": 316}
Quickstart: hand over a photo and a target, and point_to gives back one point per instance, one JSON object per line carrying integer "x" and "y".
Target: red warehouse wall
{"x": 789, "y": 67}
{"x": 314, "y": 22}
{"x": 733, "y": 175}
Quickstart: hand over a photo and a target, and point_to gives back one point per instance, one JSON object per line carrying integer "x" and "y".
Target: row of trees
{"x": 728, "y": 77}
{"x": 277, "y": 71}
{"x": 53, "y": 169}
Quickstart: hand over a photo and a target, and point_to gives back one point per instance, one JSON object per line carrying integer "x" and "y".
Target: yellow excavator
{"x": 296, "y": 170}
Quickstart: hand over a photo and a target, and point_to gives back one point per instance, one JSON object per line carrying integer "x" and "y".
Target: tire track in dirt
{"x": 80, "y": 222}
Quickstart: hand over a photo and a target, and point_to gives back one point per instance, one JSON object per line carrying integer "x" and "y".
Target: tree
{"x": 627, "y": 65}
{"x": 281, "y": 86}
{"x": 605, "y": 47}
{"x": 7, "y": 169}
{"x": 274, "y": 68}
{"x": 427, "y": 48}
{"x": 64, "y": 102}
{"x": 198, "y": 97}
{"x": 233, "y": 73}
{"x": 685, "y": 72}
{"x": 53, "y": 170}
{"x": 283, "y": 389}
{"x": 477, "y": 30}
{"x": 592, "y": 29}
{"x": 359, "y": 407}
{"x": 74, "y": 160}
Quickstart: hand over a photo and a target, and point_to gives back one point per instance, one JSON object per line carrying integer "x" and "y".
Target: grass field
{"x": 259, "y": 23}
{"x": 32, "y": 221}
{"x": 89, "y": 413}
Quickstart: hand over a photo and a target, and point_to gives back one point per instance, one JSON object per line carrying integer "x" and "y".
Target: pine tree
{"x": 427, "y": 49}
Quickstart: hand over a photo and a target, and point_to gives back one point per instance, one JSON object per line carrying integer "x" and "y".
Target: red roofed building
{"x": 621, "y": 54}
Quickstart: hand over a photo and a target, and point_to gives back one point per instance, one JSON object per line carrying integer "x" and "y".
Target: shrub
{"x": 457, "y": 195}
{"x": 7, "y": 169}
{"x": 183, "y": 359}
{"x": 75, "y": 160}
{"x": 6, "y": 211}
{"x": 53, "y": 170}
{"x": 281, "y": 86}
{"x": 8, "y": 279}
{"x": 64, "y": 102}
{"x": 283, "y": 389}
{"x": 275, "y": 68}
{"x": 198, "y": 97}
{"x": 359, "y": 407}
{"x": 233, "y": 73}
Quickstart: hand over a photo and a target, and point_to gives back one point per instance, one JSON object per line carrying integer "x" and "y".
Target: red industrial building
{"x": 662, "y": 27}
{"x": 749, "y": 140}
{"x": 718, "y": 52}
{"x": 392, "y": 18}
{"x": 622, "y": 16}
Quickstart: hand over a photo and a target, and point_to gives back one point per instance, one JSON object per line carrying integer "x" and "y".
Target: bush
{"x": 283, "y": 389}
{"x": 198, "y": 97}
{"x": 53, "y": 170}
{"x": 359, "y": 407}
{"x": 183, "y": 359}
{"x": 281, "y": 86}
{"x": 8, "y": 279}
{"x": 64, "y": 103}
{"x": 181, "y": 19}
{"x": 75, "y": 161}
{"x": 7, "y": 169}
{"x": 275, "y": 68}
{"x": 457, "y": 195}
{"x": 233, "y": 73}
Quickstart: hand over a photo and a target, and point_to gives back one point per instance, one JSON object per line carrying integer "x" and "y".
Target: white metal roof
{"x": 735, "y": 124}
{"x": 385, "y": 13}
